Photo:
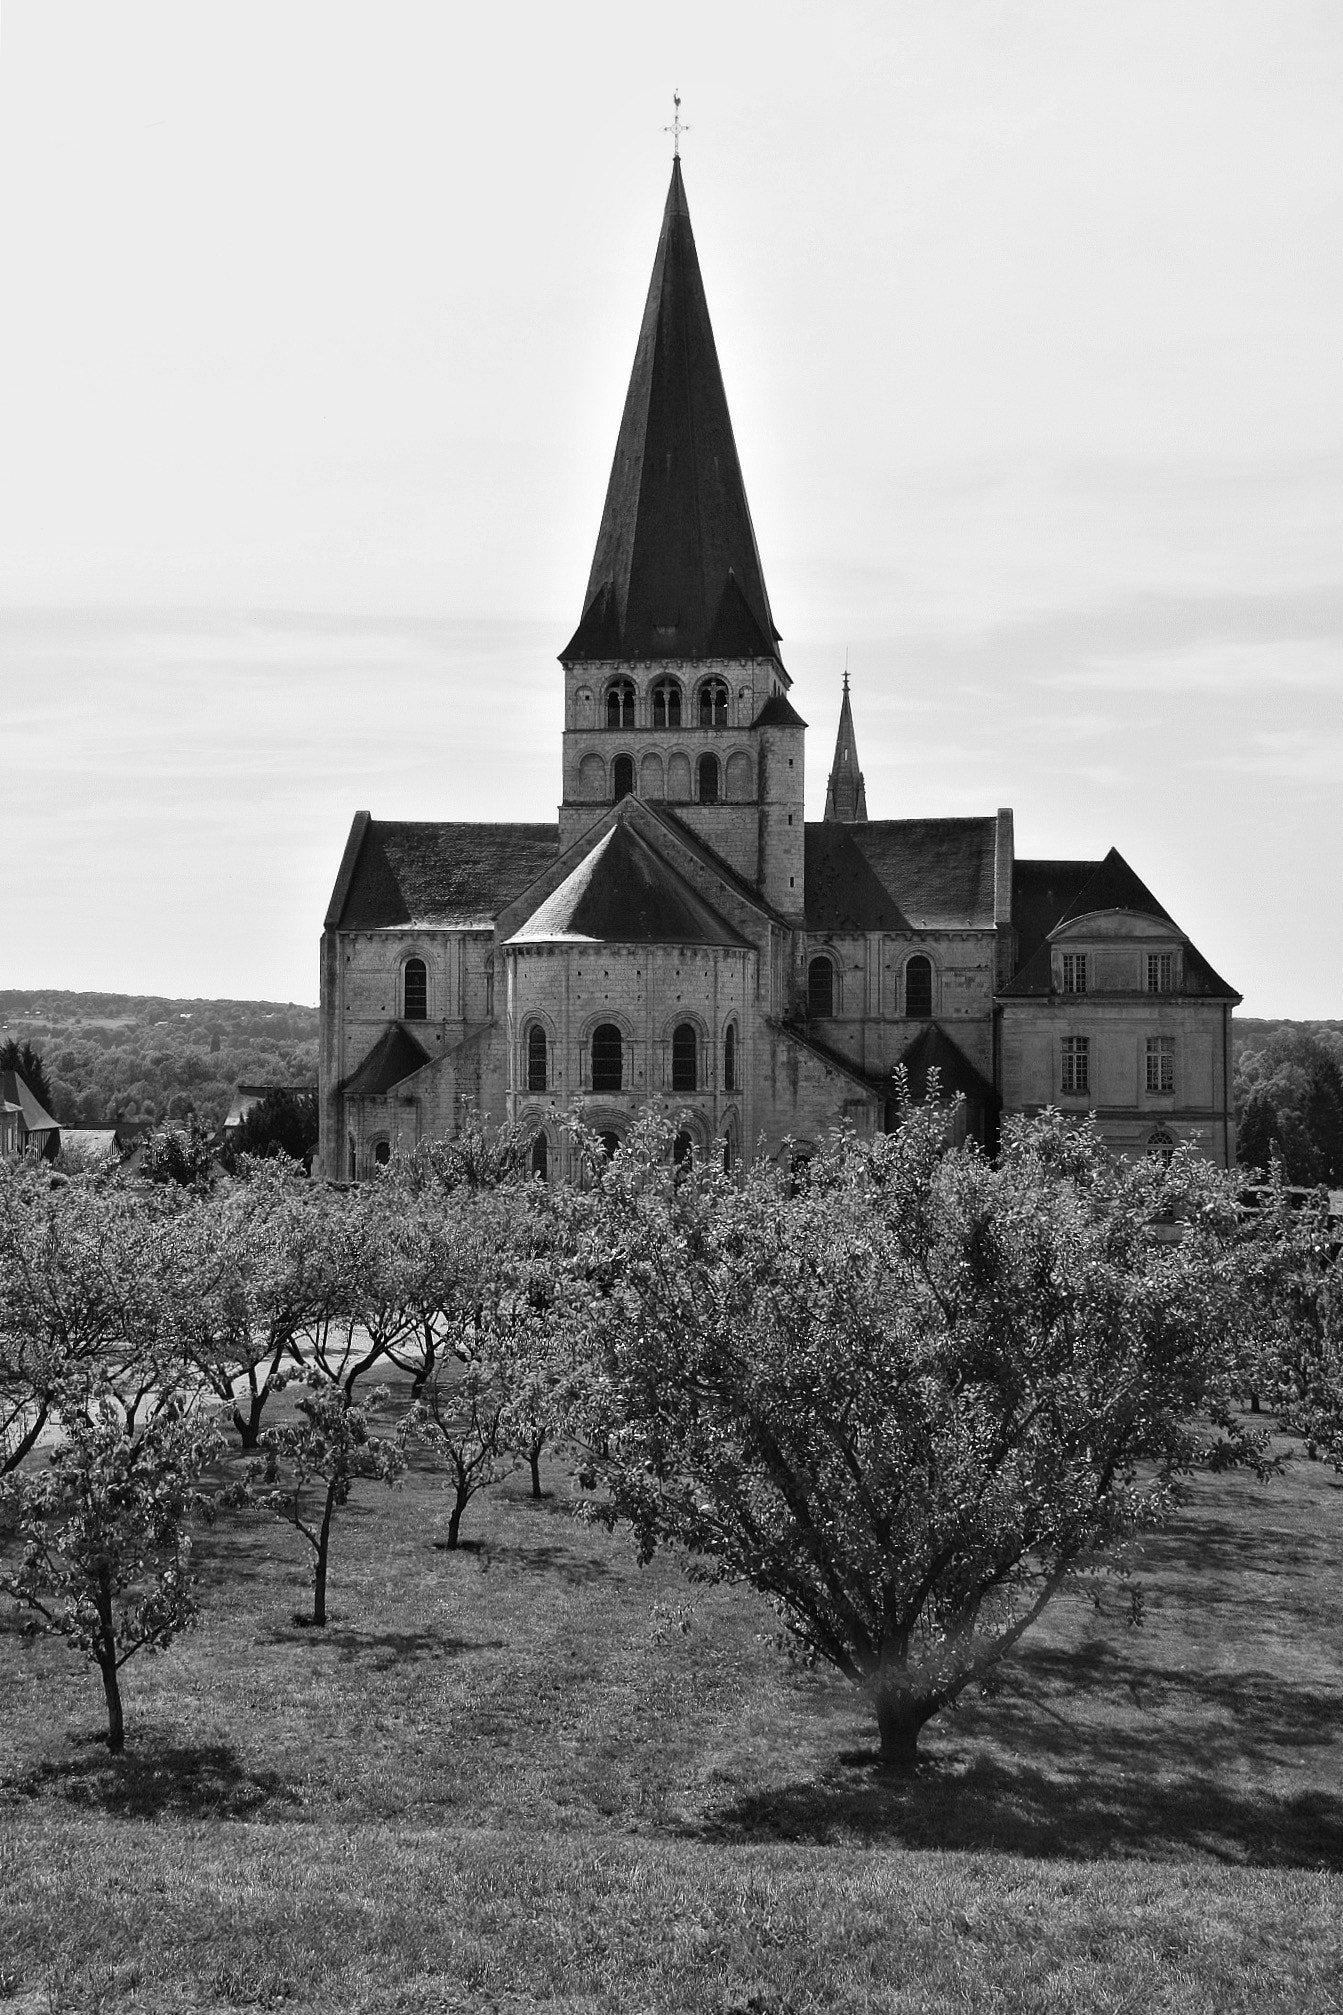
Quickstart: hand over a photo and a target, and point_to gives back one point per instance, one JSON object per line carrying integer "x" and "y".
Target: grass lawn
{"x": 532, "y": 1775}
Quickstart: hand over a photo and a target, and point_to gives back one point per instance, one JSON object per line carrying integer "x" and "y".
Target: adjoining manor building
{"x": 681, "y": 933}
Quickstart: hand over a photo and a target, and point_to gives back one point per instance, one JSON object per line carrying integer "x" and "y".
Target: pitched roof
{"x": 1048, "y": 894}
{"x": 933, "y": 1049}
{"x": 901, "y": 875}
{"x": 845, "y": 798}
{"x": 778, "y": 712}
{"x": 624, "y": 893}
{"x": 16, "y": 1091}
{"x": 395, "y": 1055}
{"x": 402, "y": 875}
{"x": 676, "y": 573}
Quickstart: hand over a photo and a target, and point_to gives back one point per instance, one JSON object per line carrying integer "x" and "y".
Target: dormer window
{"x": 1160, "y": 972}
{"x": 666, "y": 704}
{"x": 620, "y": 703}
{"x": 713, "y": 703}
{"x": 1074, "y": 972}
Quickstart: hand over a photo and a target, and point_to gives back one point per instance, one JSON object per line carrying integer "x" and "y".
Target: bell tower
{"x": 674, "y": 689}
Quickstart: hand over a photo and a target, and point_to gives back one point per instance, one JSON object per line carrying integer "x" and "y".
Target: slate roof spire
{"x": 845, "y": 798}
{"x": 676, "y": 573}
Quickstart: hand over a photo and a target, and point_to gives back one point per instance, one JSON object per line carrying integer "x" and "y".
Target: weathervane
{"x": 676, "y": 129}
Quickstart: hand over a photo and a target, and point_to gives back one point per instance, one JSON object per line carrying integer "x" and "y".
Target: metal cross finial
{"x": 676, "y": 129}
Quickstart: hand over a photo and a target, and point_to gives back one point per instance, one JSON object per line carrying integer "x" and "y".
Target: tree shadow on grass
{"x": 548, "y": 1557}
{"x": 154, "y": 1780}
{"x": 382, "y": 1648}
{"x": 1085, "y": 1757}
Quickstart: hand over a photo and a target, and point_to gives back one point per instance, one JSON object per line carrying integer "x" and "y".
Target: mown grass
{"x": 533, "y": 1775}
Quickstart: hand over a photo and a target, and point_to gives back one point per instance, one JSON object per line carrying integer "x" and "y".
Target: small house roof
{"x": 624, "y": 893}
{"x": 394, "y": 1056}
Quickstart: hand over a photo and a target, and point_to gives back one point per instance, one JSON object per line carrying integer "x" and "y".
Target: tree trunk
{"x": 900, "y": 1717}
{"x": 323, "y": 1545}
{"x": 455, "y": 1521}
{"x": 249, "y": 1424}
{"x": 534, "y": 1458}
{"x": 105, "y": 1651}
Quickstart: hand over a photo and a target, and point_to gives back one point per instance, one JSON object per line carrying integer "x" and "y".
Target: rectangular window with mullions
{"x": 1076, "y": 1063}
{"x": 1160, "y": 1063}
{"x": 1074, "y": 972}
{"x": 1160, "y": 972}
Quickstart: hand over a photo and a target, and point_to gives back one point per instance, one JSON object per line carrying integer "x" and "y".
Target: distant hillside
{"x": 138, "y": 1057}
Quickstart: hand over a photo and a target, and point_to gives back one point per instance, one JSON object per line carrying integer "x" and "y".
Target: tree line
{"x": 905, "y": 1393}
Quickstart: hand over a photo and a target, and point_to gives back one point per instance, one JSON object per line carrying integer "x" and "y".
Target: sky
{"x": 316, "y": 326}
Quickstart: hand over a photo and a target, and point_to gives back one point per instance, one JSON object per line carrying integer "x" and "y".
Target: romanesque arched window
{"x": 666, "y": 704}
{"x": 820, "y": 987}
{"x": 713, "y": 703}
{"x": 730, "y": 1057}
{"x": 709, "y": 792}
{"x": 610, "y": 1144}
{"x": 622, "y": 778}
{"x": 415, "y": 991}
{"x": 684, "y": 1057}
{"x": 536, "y": 1058}
{"x": 382, "y": 1153}
{"x": 919, "y": 988}
{"x": 541, "y": 1157}
{"x": 607, "y": 1057}
{"x": 620, "y": 703}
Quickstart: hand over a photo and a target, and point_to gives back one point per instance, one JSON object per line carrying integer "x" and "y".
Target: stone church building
{"x": 684, "y": 935}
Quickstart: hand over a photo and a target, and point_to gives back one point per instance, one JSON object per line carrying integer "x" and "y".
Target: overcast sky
{"x": 316, "y": 325}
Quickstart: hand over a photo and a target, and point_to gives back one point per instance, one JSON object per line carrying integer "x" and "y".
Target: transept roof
{"x": 623, "y": 893}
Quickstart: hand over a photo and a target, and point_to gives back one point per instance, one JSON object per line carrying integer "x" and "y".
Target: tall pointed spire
{"x": 676, "y": 573}
{"x": 845, "y": 798}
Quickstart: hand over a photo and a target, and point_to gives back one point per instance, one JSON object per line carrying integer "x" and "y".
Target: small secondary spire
{"x": 676, "y": 129}
{"x": 845, "y": 797}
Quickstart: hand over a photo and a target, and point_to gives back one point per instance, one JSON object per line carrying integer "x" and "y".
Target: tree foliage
{"x": 1289, "y": 1106}
{"x": 27, "y": 1061}
{"x": 283, "y": 1122}
{"x": 910, "y": 1397}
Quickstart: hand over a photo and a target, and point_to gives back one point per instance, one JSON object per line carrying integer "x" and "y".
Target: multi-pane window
{"x": 415, "y": 986}
{"x": 1160, "y": 1063}
{"x": 730, "y": 1057}
{"x": 1076, "y": 1063}
{"x": 536, "y": 1060}
{"x": 683, "y": 1056}
{"x": 666, "y": 704}
{"x": 1074, "y": 972}
{"x": 1160, "y": 972}
{"x": 620, "y": 704}
{"x": 607, "y": 1057}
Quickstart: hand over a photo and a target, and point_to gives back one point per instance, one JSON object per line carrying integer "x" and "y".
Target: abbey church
{"x": 683, "y": 935}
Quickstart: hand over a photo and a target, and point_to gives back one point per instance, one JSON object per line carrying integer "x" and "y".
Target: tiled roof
{"x": 624, "y": 893}
{"x": 778, "y": 712}
{"x": 395, "y": 1055}
{"x": 676, "y": 572}
{"x": 15, "y": 1091}
{"x": 436, "y": 875}
{"x": 1046, "y": 894}
{"x": 901, "y": 875}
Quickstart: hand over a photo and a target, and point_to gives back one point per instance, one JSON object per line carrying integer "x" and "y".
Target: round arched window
{"x": 607, "y": 1057}
{"x": 610, "y": 1144}
{"x": 684, "y": 1074}
{"x": 620, "y": 703}
{"x": 622, "y": 778}
{"x": 666, "y": 704}
{"x": 713, "y": 703}
{"x": 820, "y": 987}
{"x": 730, "y": 1057}
{"x": 919, "y": 987}
{"x": 536, "y": 1058}
{"x": 382, "y": 1153}
{"x": 541, "y": 1157}
{"x": 709, "y": 786}
{"x": 415, "y": 990}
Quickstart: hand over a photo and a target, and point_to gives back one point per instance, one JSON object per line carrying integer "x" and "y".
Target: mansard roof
{"x": 676, "y": 573}
{"x": 624, "y": 893}
{"x": 395, "y": 1055}
{"x": 1048, "y": 894}
{"x": 901, "y": 875}
{"x": 434, "y": 875}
